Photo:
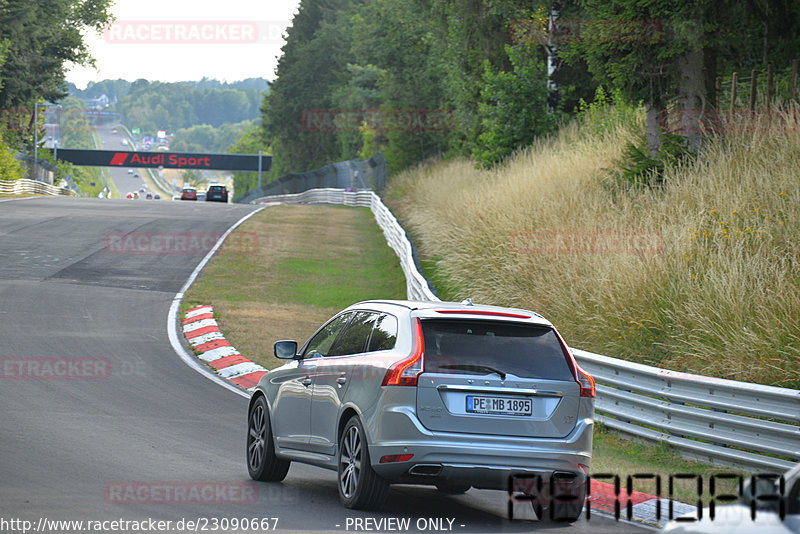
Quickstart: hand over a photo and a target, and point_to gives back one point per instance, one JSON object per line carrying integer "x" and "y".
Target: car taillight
{"x": 584, "y": 379}
{"x": 405, "y": 372}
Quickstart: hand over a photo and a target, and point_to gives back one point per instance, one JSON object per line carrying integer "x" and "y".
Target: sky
{"x": 179, "y": 40}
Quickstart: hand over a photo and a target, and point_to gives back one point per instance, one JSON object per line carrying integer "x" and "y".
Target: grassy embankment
{"x": 289, "y": 268}
{"x": 701, "y": 275}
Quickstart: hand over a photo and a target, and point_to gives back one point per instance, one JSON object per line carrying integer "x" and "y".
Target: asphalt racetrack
{"x": 102, "y": 420}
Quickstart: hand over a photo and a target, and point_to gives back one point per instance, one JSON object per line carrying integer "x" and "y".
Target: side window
{"x": 384, "y": 335}
{"x": 354, "y": 339}
{"x": 323, "y": 340}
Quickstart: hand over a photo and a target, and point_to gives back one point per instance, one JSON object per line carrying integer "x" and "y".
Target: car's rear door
{"x": 496, "y": 377}
{"x": 291, "y": 410}
{"x": 332, "y": 377}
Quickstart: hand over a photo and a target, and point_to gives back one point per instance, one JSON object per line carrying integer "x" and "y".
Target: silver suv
{"x": 439, "y": 393}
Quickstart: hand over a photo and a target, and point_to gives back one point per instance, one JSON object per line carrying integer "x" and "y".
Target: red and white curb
{"x": 202, "y": 332}
{"x": 637, "y": 506}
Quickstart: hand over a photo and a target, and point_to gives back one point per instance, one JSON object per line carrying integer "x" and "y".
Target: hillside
{"x": 700, "y": 275}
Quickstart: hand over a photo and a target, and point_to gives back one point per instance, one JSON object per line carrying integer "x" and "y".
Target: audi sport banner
{"x": 167, "y": 160}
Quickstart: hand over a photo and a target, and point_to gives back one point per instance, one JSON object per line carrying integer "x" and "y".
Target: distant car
{"x": 201, "y": 195}
{"x": 129, "y": 195}
{"x": 136, "y": 175}
{"x": 130, "y": 171}
{"x": 157, "y": 196}
{"x": 189, "y": 193}
{"x": 113, "y": 130}
{"x": 135, "y": 194}
{"x": 217, "y": 193}
{"x": 143, "y": 189}
{"x": 433, "y": 393}
{"x": 124, "y": 142}
{"x": 762, "y": 499}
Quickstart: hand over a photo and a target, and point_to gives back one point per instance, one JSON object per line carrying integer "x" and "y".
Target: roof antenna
{"x": 467, "y": 302}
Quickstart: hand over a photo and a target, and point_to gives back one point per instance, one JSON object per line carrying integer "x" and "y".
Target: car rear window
{"x": 217, "y": 188}
{"x": 354, "y": 339}
{"x": 384, "y": 335}
{"x": 524, "y": 350}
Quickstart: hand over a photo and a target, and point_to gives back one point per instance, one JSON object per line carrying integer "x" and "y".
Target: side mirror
{"x": 285, "y": 350}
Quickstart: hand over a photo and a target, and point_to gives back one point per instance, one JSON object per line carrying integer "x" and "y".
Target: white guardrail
{"x": 23, "y": 186}
{"x": 722, "y": 422}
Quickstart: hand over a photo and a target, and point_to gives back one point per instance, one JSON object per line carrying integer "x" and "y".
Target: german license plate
{"x": 499, "y": 405}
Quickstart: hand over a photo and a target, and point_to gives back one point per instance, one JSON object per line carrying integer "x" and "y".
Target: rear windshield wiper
{"x": 476, "y": 368}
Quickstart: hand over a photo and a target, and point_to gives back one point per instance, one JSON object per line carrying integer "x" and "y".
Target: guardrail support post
{"x": 259, "y": 169}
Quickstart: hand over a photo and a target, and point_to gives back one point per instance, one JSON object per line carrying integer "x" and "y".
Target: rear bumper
{"x": 482, "y": 461}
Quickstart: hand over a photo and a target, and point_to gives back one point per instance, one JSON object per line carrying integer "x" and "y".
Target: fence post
{"x": 793, "y": 96}
{"x": 753, "y": 83}
{"x": 770, "y": 85}
{"x": 734, "y": 81}
{"x": 259, "y": 169}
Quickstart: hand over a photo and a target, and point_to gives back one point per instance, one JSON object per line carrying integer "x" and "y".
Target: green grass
{"x": 615, "y": 455}
{"x": 288, "y": 269}
{"x": 701, "y": 275}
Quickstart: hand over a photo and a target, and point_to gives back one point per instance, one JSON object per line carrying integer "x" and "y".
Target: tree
{"x": 671, "y": 51}
{"x": 249, "y": 142}
{"x": 312, "y": 65}
{"x": 513, "y": 106}
{"x": 43, "y": 36}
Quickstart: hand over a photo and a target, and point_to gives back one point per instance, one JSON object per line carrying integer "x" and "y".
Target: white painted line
{"x": 202, "y": 323}
{"x": 205, "y": 338}
{"x": 174, "y": 309}
{"x": 216, "y": 354}
{"x": 198, "y": 311}
{"x": 646, "y": 511}
{"x": 244, "y": 368}
{"x": 24, "y": 198}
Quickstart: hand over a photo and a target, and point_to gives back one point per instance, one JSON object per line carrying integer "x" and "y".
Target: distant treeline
{"x": 152, "y": 106}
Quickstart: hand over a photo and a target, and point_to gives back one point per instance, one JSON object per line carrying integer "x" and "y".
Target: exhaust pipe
{"x": 426, "y": 470}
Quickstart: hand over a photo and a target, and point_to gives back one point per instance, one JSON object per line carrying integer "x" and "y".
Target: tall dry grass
{"x": 702, "y": 275}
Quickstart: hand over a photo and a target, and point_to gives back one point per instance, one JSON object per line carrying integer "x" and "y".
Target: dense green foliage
{"x": 115, "y": 89}
{"x": 152, "y": 106}
{"x": 10, "y": 168}
{"x": 42, "y": 36}
{"x": 250, "y": 142}
{"x": 472, "y": 77}
{"x": 75, "y": 131}
{"x": 38, "y": 39}
{"x": 206, "y": 138}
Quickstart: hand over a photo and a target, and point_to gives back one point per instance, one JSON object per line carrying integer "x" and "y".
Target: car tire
{"x": 452, "y": 488}
{"x": 262, "y": 462}
{"x": 360, "y": 487}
